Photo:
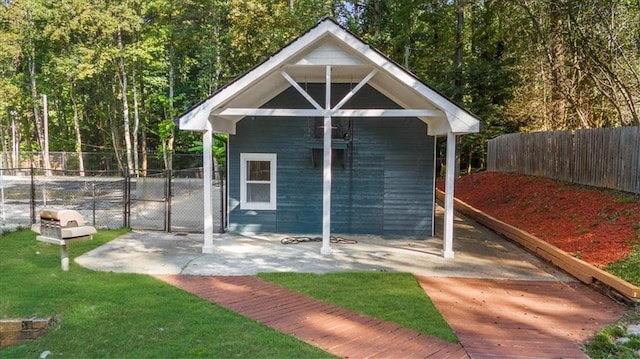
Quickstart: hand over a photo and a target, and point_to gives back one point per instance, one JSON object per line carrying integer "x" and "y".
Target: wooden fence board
{"x": 604, "y": 157}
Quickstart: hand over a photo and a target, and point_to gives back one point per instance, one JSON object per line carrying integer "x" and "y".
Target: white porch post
{"x": 207, "y": 163}
{"x": 447, "y": 247}
{"x": 326, "y": 169}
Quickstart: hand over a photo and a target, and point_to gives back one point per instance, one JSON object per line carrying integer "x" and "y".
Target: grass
{"x": 624, "y": 198}
{"x": 394, "y": 297}
{"x": 627, "y": 268}
{"x": 108, "y": 315}
{"x": 603, "y": 345}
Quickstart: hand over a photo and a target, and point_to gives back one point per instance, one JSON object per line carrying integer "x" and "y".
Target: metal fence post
{"x": 167, "y": 212}
{"x": 33, "y": 196}
{"x": 93, "y": 197}
{"x": 126, "y": 206}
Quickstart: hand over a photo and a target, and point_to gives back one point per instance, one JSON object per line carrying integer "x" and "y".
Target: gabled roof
{"x": 305, "y": 60}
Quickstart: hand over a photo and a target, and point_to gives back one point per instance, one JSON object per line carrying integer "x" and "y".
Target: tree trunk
{"x": 457, "y": 70}
{"x": 15, "y": 140}
{"x": 168, "y": 148}
{"x": 143, "y": 149}
{"x": 136, "y": 125}
{"x": 3, "y": 146}
{"x": 216, "y": 39}
{"x": 36, "y": 110}
{"x": 76, "y": 127}
{"x": 458, "y": 56}
{"x": 125, "y": 104}
{"x": 114, "y": 133}
{"x": 114, "y": 143}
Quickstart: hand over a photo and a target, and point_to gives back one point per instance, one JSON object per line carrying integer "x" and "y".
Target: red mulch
{"x": 592, "y": 224}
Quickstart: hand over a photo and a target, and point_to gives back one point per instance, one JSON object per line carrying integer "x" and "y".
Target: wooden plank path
{"x": 580, "y": 269}
{"x": 521, "y": 319}
{"x": 334, "y": 329}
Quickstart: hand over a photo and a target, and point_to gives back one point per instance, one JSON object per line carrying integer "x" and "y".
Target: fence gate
{"x": 148, "y": 199}
{"x": 172, "y": 201}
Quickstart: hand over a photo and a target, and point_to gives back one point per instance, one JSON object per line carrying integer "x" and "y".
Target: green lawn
{"x": 627, "y": 268}
{"x": 109, "y": 315}
{"x": 394, "y": 297}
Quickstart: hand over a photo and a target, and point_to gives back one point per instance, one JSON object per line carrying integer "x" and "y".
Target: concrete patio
{"x": 479, "y": 253}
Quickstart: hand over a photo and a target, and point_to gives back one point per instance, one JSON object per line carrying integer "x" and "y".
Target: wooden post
{"x": 64, "y": 257}
{"x": 447, "y": 245}
{"x": 207, "y": 162}
{"x": 326, "y": 169}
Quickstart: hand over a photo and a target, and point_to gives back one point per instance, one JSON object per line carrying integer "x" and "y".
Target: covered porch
{"x": 328, "y": 54}
{"x": 480, "y": 253}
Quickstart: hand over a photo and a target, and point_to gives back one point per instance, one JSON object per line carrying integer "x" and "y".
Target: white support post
{"x": 2, "y": 209}
{"x": 447, "y": 246}
{"x": 64, "y": 257}
{"x": 326, "y": 169}
{"x": 207, "y": 163}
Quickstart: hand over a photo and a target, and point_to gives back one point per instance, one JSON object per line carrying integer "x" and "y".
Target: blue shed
{"x": 329, "y": 136}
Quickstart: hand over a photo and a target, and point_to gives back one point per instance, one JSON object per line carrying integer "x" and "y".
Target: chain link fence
{"x": 163, "y": 200}
{"x": 93, "y": 162}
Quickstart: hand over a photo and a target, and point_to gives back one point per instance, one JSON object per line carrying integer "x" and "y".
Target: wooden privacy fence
{"x": 604, "y": 157}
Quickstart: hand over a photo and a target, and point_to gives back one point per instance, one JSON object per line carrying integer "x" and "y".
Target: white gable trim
{"x": 458, "y": 120}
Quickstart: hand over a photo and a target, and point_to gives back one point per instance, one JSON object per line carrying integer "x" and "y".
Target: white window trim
{"x": 244, "y": 158}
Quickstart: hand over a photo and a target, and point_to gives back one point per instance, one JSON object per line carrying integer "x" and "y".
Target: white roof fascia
{"x": 462, "y": 121}
{"x": 196, "y": 119}
{"x": 253, "y": 76}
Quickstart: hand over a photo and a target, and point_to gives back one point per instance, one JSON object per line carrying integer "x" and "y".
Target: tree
{"x": 25, "y": 21}
{"x": 584, "y": 62}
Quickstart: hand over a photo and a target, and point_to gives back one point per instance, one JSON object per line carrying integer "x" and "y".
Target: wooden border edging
{"x": 580, "y": 269}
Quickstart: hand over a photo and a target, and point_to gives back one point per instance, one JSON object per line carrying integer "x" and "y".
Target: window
{"x": 258, "y": 181}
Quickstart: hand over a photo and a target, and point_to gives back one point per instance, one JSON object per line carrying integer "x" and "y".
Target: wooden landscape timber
{"x": 580, "y": 269}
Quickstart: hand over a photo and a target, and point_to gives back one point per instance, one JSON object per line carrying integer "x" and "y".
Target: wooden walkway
{"x": 504, "y": 319}
{"x": 336, "y": 330}
{"x": 521, "y": 319}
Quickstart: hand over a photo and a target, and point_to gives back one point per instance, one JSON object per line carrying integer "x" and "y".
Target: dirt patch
{"x": 598, "y": 226}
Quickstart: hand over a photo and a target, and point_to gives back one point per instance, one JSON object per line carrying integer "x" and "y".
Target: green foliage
{"x": 603, "y": 345}
{"x": 525, "y": 65}
{"x": 627, "y": 268}
{"x": 625, "y": 198}
{"x": 394, "y": 297}
{"x": 108, "y": 315}
{"x": 219, "y": 149}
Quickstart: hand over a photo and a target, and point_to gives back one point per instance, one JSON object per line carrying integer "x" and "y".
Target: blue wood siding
{"x": 385, "y": 186}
